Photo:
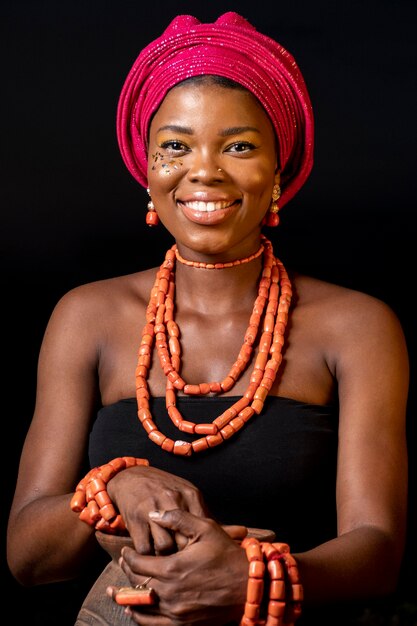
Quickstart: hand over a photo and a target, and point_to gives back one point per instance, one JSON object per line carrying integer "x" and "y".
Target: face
{"x": 211, "y": 169}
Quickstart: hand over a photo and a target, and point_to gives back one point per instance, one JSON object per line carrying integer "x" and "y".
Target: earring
{"x": 272, "y": 217}
{"x": 152, "y": 218}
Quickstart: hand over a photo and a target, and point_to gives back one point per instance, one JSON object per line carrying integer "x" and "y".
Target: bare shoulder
{"x": 88, "y": 312}
{"x": 356, "y": 334}
{"x": 338, "y": 307}
{"x": 109, "y": 294}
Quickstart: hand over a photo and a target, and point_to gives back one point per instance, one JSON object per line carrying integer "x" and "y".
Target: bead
{"x": 236, "y": 423}
{"x": 297, "y": 592}
{"x": 214, "y": 440}
{"x": 78, "y": 501}
{"x": 157, "y": 437}
{"x": 182, "y": 448}
{"x": 192, "y": 390}
{"x": 167, "y": 445}
{"x": 186, "y": 427}
{"x": 227, "y": 431}
{"x": 206, "y": 429}
{"x": 277, "y": 590}
{"x": 255, "y": 590}
{"x": 152, "y": 218}
{"x": 227, "y": 383}
{"x": 275, "y": 569}
{"x": 256, "y": 569}
{"x": 252, "y": 610}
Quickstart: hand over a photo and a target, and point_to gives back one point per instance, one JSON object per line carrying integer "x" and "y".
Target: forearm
{"x": 46, "y": 542}
{"x": 363, "y": 563}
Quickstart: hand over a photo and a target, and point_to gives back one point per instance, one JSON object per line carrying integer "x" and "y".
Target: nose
{"x": 204, "y": 167}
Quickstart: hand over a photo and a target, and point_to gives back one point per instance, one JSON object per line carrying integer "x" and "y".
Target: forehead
{"x": 212, "y": 102}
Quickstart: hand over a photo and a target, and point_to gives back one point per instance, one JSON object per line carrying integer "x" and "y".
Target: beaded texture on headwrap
{"x": 230, "y": 47}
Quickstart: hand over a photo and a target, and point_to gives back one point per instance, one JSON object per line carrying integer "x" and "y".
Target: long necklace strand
{"x": 161, "y": 331}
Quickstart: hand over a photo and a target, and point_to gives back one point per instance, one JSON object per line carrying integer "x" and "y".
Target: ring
{"x": 144, "y": 584}
{"x": 135, "y": 596}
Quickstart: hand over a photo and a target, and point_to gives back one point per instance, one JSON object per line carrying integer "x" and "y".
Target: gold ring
{"x": 144, "y": 584}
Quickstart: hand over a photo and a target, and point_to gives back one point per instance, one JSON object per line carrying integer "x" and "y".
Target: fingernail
{"x": 155, "y": 514}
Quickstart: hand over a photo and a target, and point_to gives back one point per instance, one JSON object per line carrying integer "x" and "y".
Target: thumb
{"x": 179, "y": 521}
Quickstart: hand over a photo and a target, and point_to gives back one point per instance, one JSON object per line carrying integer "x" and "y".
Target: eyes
{"x": 175, "y": 147}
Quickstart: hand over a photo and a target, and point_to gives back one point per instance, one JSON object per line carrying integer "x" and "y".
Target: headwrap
{"x": 230, "y": 47}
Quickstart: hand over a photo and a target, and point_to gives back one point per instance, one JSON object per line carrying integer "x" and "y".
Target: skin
{"x": 340, "y": 341}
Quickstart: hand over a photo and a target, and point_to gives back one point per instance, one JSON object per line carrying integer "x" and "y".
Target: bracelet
{"x": 285, "y": 588}
{"x": 255, "y": 588}
{"x": 92, "y": 501}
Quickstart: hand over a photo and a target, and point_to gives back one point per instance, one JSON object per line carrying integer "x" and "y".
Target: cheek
{"x": 161, "y": 166}
{"x": 258, "y": 181}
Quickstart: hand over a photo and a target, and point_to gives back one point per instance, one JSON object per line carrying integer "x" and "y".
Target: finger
{"x": 236, "y": 532}
{"x": 142, "y": 539}
{"x": 146, "y": 619}
{"x": 182, "y": 522}
{"x": 163, "y": 540}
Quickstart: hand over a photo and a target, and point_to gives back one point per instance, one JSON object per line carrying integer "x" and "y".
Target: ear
{"x": 277, "y": 177}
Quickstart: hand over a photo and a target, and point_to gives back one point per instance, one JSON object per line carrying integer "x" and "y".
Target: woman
{"x": 262, "y": 404}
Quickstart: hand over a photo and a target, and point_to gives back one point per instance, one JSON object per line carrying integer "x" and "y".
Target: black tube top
{"x": 277, "y": 472}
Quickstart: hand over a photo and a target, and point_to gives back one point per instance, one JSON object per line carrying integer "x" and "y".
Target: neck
{"x": 224, "y": 290}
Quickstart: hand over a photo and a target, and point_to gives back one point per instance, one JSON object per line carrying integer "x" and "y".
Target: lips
{"x": 208, "y": 212}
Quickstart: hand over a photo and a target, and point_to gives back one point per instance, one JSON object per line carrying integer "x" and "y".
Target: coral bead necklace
{"x": 271, "y": 308}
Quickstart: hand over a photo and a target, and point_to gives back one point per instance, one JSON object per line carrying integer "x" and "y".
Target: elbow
{"x": 387, "y": 567}
{"x": 22, "y": 571}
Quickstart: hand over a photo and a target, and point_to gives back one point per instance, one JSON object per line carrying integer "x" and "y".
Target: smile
{"x": 208, "y": 213}
{"x": 206, "y": 207}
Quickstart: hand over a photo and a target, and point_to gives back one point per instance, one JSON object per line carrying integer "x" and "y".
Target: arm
{"x": 45, "y": 541}
{"x": 371, "y": 366}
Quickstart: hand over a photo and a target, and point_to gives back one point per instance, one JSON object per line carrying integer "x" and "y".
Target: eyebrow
{"x": 226, "y": 132}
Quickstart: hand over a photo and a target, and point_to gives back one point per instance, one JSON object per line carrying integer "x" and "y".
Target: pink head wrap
{"x": 230, "y": 47}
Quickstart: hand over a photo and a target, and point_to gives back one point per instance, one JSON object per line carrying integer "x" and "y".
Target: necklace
{"x": 271, "y": 308}
{"x": 217, "y": 266}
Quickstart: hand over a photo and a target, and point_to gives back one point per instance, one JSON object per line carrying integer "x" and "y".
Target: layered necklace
{"x": 268, "y": 321}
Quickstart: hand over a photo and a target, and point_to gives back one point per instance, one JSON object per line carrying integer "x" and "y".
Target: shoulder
{"x": 109, "y": 293}
{"x": 337, "y": 305}
{"x": 88, "y": 309}
{"x": 351, "y": 326}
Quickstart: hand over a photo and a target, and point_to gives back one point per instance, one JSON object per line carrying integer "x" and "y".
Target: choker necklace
{"x": 217, "y": 266}
{"x": 271, "y": 308}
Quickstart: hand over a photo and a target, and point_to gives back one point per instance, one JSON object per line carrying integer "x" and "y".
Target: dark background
{"x": 71, "y": 212}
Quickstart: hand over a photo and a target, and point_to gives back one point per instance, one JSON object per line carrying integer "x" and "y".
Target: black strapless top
{"x": 277, "y": 472}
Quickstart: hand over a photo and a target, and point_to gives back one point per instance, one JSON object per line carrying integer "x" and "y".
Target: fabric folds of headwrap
{"x": 230, "y": 47}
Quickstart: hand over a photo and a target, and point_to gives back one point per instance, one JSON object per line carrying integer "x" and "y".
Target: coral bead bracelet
{"x": 285, "y": 589}
{"x": 92, "y": 501}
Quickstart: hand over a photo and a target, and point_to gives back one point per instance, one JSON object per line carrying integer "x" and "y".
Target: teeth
{"x": 204, "y": 207}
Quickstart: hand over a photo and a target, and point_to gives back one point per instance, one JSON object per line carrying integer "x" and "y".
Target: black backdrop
{"x": 71, "y": 212}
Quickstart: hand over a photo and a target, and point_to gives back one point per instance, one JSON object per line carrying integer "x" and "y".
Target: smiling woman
{"x": 244, "y": 424}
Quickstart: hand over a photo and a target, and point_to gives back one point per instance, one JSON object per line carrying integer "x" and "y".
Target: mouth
{"x": 201, "y": 212}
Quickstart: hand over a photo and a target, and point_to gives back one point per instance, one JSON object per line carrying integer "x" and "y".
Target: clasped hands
{"x": 194, "y": 566}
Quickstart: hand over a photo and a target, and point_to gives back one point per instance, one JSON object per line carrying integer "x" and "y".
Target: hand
{"x": 138, "y": 490}
{"x": 204, "y": 583}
